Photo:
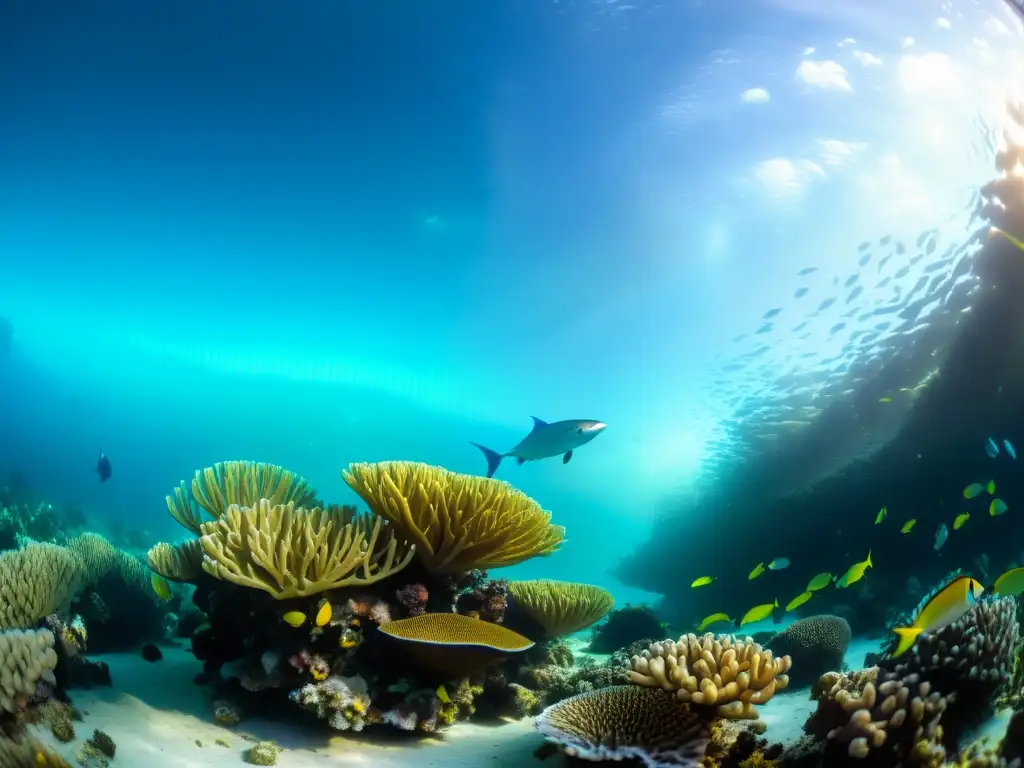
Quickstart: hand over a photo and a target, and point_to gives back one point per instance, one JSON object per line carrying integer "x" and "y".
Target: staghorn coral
{"x": 341, "y": 701}
{"x": 244, "y": 483}
{"x": 291, "y": 551}
{"x": 627, "y": 722}
{"x": 729, "y": 674}
{"x": 177, "y": 562}
{"x": 816, "y": 645}
{"x": 457, "y": 522}
{"x": 561, "y": 607}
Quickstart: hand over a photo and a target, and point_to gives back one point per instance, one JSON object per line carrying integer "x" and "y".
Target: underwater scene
{"x": 552, "y": 383}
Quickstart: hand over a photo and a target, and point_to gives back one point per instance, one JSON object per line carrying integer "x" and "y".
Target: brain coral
{"x": 816, "y": 645}
{"x": 729, "y": 674}
{"x": 457, "y": 522}
{"x": 455, "y": 644}
{"x": 561, "y": 607}
{"x": 627, "y": 722}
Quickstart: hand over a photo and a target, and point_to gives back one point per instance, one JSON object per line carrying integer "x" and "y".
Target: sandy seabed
{"x": 156, "y": 715}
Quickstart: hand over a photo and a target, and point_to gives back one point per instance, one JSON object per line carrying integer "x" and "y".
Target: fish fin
{"x": 538, "y": 423}
{"x": 493, "y": 458}
{"x": 868, "y": 561}
{"x": 520, "y": 460}
{"x": 908, "y": 636}
{"x": 568, "y": 455}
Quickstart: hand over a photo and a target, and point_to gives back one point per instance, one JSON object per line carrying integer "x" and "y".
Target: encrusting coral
{"x": 457, "y": 522}
{"x": 291, "y": 551}
{"x": 730, "y": 674}
{"x": 561, "y": 607}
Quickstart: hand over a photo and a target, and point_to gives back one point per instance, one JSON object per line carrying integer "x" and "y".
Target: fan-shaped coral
{"x": 457, "y": 522}
{"x": 455, "y": 644}
{"x": 177, "y": 562}
{"x": 732, "y": 675}
{"x": 627, "y": 722}
{"x": 236, "y": 482}
{"x": 291, "y": 551}
{"x": 561, "y": 607}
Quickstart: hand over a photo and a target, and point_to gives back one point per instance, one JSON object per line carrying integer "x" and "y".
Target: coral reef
{"x": 561, "y": 607}
{"x": 26, "y": 658}
{"x": 262, "y": 753}
{"x": 625, "y": 626}
{"x": 816, "y": 644}
{"x": 341, "y": 701}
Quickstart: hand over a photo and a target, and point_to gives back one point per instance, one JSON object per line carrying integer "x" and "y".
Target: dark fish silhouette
{"x": 103, "y": 467}
{"x": 151, "y": 653}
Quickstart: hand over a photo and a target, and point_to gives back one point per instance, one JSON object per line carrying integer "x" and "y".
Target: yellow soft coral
{"x": 457, "y": 522}
{"x": 729, "y": 674}
{"x": 290, "y": 551}
{"x": 181, "y": 562}
{"x": 37, "y": 580}
{"x": 561, "y": 607}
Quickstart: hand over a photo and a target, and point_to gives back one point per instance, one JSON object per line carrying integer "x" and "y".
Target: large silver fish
{"x": 559, "y": 438}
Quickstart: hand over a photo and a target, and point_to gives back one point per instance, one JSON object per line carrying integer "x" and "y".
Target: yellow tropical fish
{"x": 909, "y": 525}
{"x": 1010, "y": 583}
{"x": 714, "y": 618}
{"x": 703, "y": 581}
{"x": 855, "y": 572}
{"x": 944, "y": 607}
{"x": 295, "y": 618}
{"x": 962, "y": 518}
{"x": 756, "y": 572}
{"x": 161, "y": 587}
{"x": 759, "y": 612}
{"x": 799, "y": 600}
{"x": 820, "y": 581}
{"x": 885, "y": 399}
{"x": 972, "y": 490}
{"x": 882, "y": 514}
{"x": 997, "y": 507}
{"x": 991, "y": 487}
{"x": 442, "y": 694}
{"x": 324, "y": 614}
{"x": 997, "y": 231}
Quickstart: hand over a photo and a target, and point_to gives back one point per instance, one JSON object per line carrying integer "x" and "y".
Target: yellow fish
{"x": 944, "y": 607}
{"x": 756, "y": 572}
{"x": 882, "y": 514}
{"x": 962, "y": 518}
{"x": 442, "y": 694}
{"x": 909, "y": 525}
{"x": 703, "y": 581}
{"x": 1010, "y": 583}
{"x": 161, "y": 587}
{"x": 885, "y": 399}
{"x": 324, "y": 614}
{"x": 855, "y": 573}
{"x": 974, "y": 489}
{"x": 997, "y": 231}
{"x": 714, "y": 618}
{"x": 759, "y": 612}
{"x": 820, "y": 581}
{"x": 997, "y": 507}
{"x": 799, "y": 600}
{"x": 295, "y": 618}
{"x": 991, "y": 487}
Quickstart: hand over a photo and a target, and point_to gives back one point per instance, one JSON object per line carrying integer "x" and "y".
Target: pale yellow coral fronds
{"x": 96, "y": 553}
{"x": 561, "y": 607}
{"x": 457, "y": 522}
{"x": 245, "y": 483}
{"x": 729, "y": 674}
{"x": 36, "y": 581}
{"x": 184, "y": 510}
{"x": 290, "y": 551}
{"x": 177, "y": 562}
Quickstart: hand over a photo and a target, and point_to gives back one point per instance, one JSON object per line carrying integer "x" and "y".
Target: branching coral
{"x": 457, "y": 522}
{"x": 561, "y": 607}
{"x": 180, "y": 562}
{"x": 729, "y": 674}
{"x": 290, "y": 551}
{"x": 341, "y": 701}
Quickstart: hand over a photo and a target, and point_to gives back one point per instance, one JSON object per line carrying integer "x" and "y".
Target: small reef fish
{"x": 799, "y": 600}
{"x": 997, "y": 507}
{"x": 714, "y": 618}
{"x": 882, "y": 514}
{"x": 778, "y": 564}
{"x": 294, "y": 618}
{"x": 855, "y": 573}
{"x": 1010, "y": 583}
{"x": 908, "y": 526}
{"x": 703, "y": 581}
{"x": 972, "y": 490}
{"x": 885, "y": 399}
{"x": 559, "y": 438}
{"x": 758, "y": 570}
{"x": 820, "y": 581}
{"x": 961, "y": 519}
{"x": 991, "y": 487}
{"x": 323, "y": 616}
{"x": 160, "y": 587}
{"x": 759, "y": 612}
{"x": 941, "y": 534}
{"x": 944, "y": 607}
{"x": 991, "y": 448}
{"x": 1010, "y": 451}
{"x": 103, "y": 467}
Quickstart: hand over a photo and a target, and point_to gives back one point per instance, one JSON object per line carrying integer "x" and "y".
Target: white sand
{"x": 155, "y": 714}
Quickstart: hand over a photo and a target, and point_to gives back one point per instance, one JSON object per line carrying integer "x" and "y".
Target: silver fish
{"x": 559, "y": 438}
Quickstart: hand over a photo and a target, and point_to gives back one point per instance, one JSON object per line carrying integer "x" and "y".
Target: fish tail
{"x": 908, "y": 636}
{"x": 493, "y": 458}
{"x": 868, "y": 561}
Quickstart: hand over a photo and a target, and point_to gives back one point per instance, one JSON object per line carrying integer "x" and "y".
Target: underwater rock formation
{"x": 816, "y": 645}
{"x": 625, "y": 626}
